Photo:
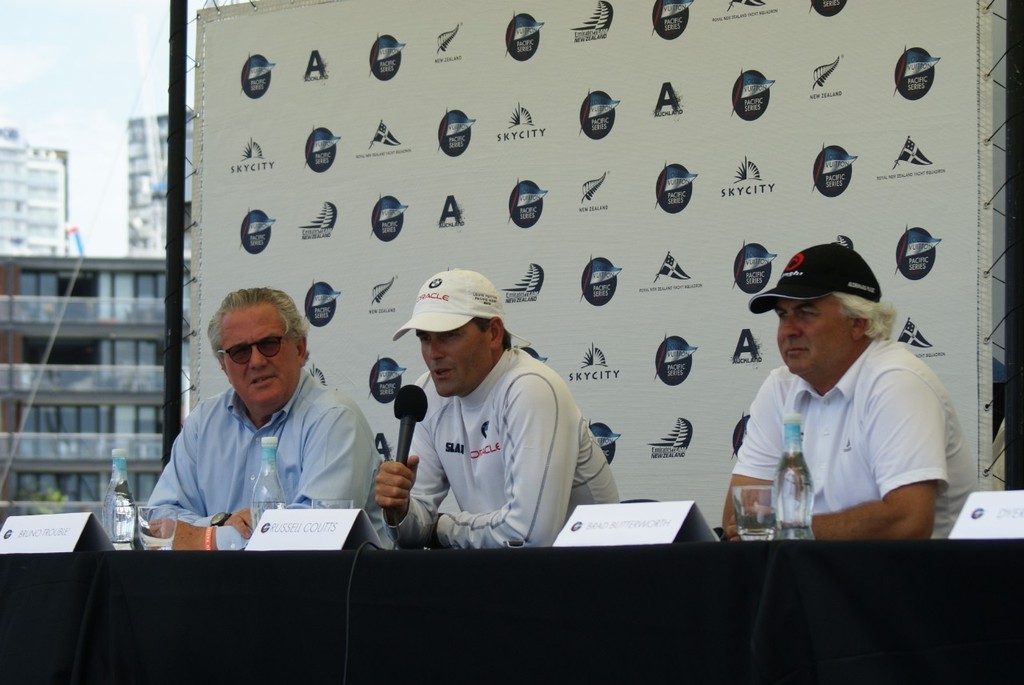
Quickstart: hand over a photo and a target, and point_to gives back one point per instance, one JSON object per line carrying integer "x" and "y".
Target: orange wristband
{"x": 210, "y": 536}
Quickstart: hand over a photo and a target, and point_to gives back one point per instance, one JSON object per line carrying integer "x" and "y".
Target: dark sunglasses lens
{"x": 240, "y": 353}
{"x": 269, "y": 346}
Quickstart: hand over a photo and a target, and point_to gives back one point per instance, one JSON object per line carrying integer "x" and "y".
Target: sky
{"x": 74, "y": 73}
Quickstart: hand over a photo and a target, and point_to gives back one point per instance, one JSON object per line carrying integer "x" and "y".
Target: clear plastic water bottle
{"x": 267, "y": 492}
{"x": 793, "y": 492}
{"x": 118, "y": 503}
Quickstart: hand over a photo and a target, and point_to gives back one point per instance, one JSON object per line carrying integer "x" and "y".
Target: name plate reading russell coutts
{"x": 311, "y": 529}
{"x": 636, "y": 523}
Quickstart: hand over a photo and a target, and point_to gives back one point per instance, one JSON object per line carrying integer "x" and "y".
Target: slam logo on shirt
{"x": 828, "y": 8}
{"x": 598, "y": 281}
{"x": 674, "y": 188}
{"x": 597, "y": 26}
{"x": 914, "y": 73}
{"x": 256, "y": 231}
{"x": 385, "y": 57}
{"x": 751, "y": 94}
{"x": 915, "y": 253}
{"x": 256, "y": 76}
{"x": 833, "y": 170}
{"x": 522, "y": 37}
{"x": 526, "y": 204}
{"x": 752, "y": 268}
{"x": 320, "y": 303}
{"x": 739, "y": 432}
{"x": 385, "y": 379}
{"x": 606, "y": 438}
{"x": 454, "y": 132}
{"x": 387, "y": 218}
{"x": 528, "y": 287}
{"x": 670, "y": 17}
{"x": 675, "y": 443}
{"x": 321, "y": 149}
{"x": 597, "y": 114}
{"x": 673, "y": 360}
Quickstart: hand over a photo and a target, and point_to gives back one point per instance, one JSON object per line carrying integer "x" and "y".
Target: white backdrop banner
{"x": 628, "y": 174}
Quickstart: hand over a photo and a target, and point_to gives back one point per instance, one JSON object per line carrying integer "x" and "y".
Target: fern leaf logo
{"x": 748, "y": 171}
{"x": 379, "y": 291}
{"x": 590, "y": 187}
{"x": 445, "y": 39}
{"x": 520, "y": 117}
{"x": 822, "y": 73}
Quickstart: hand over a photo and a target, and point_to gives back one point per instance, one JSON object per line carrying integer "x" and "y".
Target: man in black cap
{"x": 887, "y": 456}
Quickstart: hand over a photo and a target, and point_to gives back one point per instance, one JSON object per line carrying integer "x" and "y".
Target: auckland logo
{"x": 822, "y": 74}
{"x": 320, "y": 303}
{"x": 321, "y": 149}
{"x": 674, "y": 188}
{"x": 385, "y": 379}
{"x": 751, "y": 94}
{"x": 914, "y": 73}
{"x": 828, "y": 8}
{"x": 385, "y": 57}
{"x": 915, "y": 253}
{"x": 256, "y": 76}
{"x": 444, "y": 41}
{"x": 252, "y": 160}
{"x": 454, "y": 132}
{"x": 594, "y": 367}
{"x": 596, "y": 27}
{"x": 522, "y": 37}
{"x": 526, "y": 204}
{"x": 669, "y": 104}
{"x": 747, "y": 182}
{"x": 598, "y": 281}
{"x": 378, "y": 293}
{"x": 606, "y": 438}
{"x": 316, "y": 68}
{"x": 322, "y": 225}
{"x": 833, "y": 170}
{"x": 673, "y": 360}
{"x": 589, "y": 190}
{"x": 528, "y": 287}
{"x": 675, "y": 443}
{"x": 747, "y": 351}
{"x": 752, "y": 268}
{"x": 256, "y": 231}
{"x": 451, "y": 214}
{"x": 670, "y": 17}
{"x": 597, "y": 114}
{"x": 387, "y": 218}
{"x": 520, "y": 126}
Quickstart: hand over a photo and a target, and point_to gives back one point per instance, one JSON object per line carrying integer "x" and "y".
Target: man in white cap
{"x": 887, "y": 457}
{"x": 502, "y": 431}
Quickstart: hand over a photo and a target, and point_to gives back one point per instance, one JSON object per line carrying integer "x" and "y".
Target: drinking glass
{"x": 328, "y": 503}
{"x": 755, "y": 515}
{"x": 157, "y": 526}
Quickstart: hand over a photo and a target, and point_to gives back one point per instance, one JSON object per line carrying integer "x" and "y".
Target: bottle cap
{"x": 119, "y": 453}
{"x": 792, "y": 417}
{"x": 269, "y": 441}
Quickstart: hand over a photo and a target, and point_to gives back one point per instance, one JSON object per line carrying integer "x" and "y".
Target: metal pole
{"x": 1014, "y": 329}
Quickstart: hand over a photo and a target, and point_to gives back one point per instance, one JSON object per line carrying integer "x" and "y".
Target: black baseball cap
{"x": 818, "y": 271}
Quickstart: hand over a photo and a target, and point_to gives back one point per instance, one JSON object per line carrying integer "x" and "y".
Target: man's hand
{"x": 392, "y": 486}
{"x": 242, "y": 521}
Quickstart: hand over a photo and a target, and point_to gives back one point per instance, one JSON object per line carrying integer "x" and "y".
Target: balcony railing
{"x": 83, "y": 378}
{"x": 81, "y": 446}
{"x": 110, "y": 310}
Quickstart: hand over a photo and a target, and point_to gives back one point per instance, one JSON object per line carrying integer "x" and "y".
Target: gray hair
{"x": 878, "y": 315}
{"x": 295, "y": 325}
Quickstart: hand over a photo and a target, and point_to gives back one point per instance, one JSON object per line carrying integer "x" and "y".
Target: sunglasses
{"x": 241, "y": 354}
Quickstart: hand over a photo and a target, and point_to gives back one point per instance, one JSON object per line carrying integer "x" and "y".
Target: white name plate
{"x": 990, "y": 516}
{"x": 310, "y": 529}
{"x": 636, "y": 523}
{"x": 53, "y": 533}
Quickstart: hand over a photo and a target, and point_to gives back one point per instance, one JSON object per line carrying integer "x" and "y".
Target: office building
{"x": 33, "y": 197}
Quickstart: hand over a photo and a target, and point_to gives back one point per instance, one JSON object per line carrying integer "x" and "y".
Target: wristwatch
{"x": 220, "y": 519}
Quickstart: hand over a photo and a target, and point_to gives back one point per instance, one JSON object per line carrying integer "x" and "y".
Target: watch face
{"x": 219, "y": 519}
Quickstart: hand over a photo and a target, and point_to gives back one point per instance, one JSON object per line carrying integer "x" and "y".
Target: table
{"x": 778, "y": 612}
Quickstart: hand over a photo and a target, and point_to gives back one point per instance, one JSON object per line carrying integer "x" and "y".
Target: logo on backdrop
{"x": 915, "y": 253}
{"x": 752, "y": 268}
{"x": 321, "y": 149}
{"x": 384, "y": 136}
{"x": 597, "y": 114}
{"x": 822, "y": 74}
{"x": 522, "y": 37}
{"x": 321, "y": 302}
{"x": 520, "y": 126}
{"x": 316, "y": 68}
{"x": 912, "y": 336}
{"x": 673, "y": 360}
{"x": 256, "y": 76}
{"x": 747, "y": 351}
{"x": 739, "y": 432}
{"x": 316, "y": 373}
{"x": 671, "y": 277}
{"x": 595, "y": 367}
{"x": 750, "y": 95}
{"x": 525, "y": 204}
{"x": 833, "y": 170}
{"x": 444, "y": 41}
{"x": 256, "y": 231}
{"x": 451, "y": 214}
{"x": 670, "y": 17}
{"x": 387, "y": 218}
{"x": 675, "y": 443}
{"x": 828, "y": 8}
{"x": 747, "y": 182}
{"x": 379, "y": 292}
{"x": 454, "y": 132}
{"x": 385, "y": 379}
{"x": 674, "y": 188}
{"x": 596, "y": 27}
{"x": 599, "y": 279}
{"x": 534, "y": 353}
{"x": 914, "y": 73}
{"x": 528, "y": 287}
{"x": 606, "y": 438}
{"x": 322, "y": 225}
{"x": 669, "y": 103}
{"x": 385, "y": 57}
{"x": 252, "y": 160}
{"x": 590, "y": 189}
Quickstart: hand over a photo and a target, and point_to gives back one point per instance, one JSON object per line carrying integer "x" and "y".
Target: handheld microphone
{"x": 410, "y": 408}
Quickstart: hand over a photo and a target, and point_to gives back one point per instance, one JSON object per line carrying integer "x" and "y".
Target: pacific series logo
{"x": 673, "y": 360}
{"x": 914, "y": 73}
{"x": 454, "y": 132}
{"x": 833, "y": 170}
{"x": 915, "y": 253}
{"x": 828, "y": 8}
{"x": 739, "y": 432}
{"x": 751, "y": 94}
{"x": 321, "y": 149}
{"x": 752, "y": 268}
{"x": 387, "y": 218}
{"x": 597, "y": 114}
{"x": 256, "y": 76}
{"x": 385, "y": 57}
{"x": 606, "y": 439}
{"x": 526, "y": 204}
{"x": 670, "y": 17}
{"x": 674, "y": 188}
{"x": 598, "y": 281}
{"x": 255, "y": 232}
{"x": 385, "y": 379}
{"x": 522, "y": 37}
{"x": 321, "y": 302}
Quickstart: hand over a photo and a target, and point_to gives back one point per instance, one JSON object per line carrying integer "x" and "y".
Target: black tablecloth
{"x": 783, "y": 612}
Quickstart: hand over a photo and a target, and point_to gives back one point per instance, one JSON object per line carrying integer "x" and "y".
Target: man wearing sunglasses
{"x": 325, "y": 446}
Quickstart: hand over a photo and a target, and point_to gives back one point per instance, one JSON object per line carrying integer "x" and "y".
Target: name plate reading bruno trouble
{"x": 75, "y": 532}
{"x": 311, "y": 529}
{"x": 634, "y": 523}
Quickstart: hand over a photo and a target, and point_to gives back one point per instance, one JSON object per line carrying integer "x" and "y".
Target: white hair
{"x": 878, "y": 315}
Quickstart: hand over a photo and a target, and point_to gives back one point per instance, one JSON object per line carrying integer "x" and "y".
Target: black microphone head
{"x": 411, "y": 401}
